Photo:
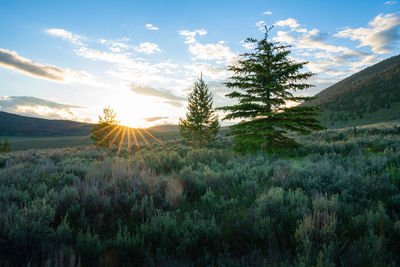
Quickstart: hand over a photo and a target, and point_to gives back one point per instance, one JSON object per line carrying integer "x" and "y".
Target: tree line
{"x": 263, "y": 86}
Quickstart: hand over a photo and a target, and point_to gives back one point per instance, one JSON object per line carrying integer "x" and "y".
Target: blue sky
{"x": 141, "y": 57}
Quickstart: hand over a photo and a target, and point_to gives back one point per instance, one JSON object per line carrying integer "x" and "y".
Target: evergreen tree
{"x": 265, "y": 81}
{"x": 201, "y": 124}
{"x": 5, "y": 147}
{"x": 107, "y": 130}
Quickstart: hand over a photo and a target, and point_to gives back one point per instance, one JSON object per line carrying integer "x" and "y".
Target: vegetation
{"x": 201, "y": 124}
{"x": 333, "y": 201}
{"x": 265, "y": 80}
{"x": 369, "y": 96}
{"x": 5, "y": 147}
{"x": 107, "y": 131}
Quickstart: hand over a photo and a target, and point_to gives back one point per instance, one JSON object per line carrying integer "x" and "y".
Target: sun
{"x": 131, "y": 109}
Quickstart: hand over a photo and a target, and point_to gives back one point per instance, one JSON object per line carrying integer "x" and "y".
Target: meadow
{"x": 19, "y": 143}
{"x": 334, "y": 201}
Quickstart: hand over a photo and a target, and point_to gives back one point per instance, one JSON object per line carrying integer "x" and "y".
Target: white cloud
{"x": 381, "y": 35}
{"x": 148, "y": 48}
{"x": 191, "y": 35}
{"x": 41, "y": 108}
{"x": 151, "y": 27}
{"x": 247, "y": 45}
{"x": 212, "y": 52}
{"x": 390, "y": 3}
{"x": 201, "y": 32}
{"x": 73, "y": 38}
{"x": 330, "y": 62}
{"x": 10, "y": 59}
{"x": 261, "y": 25}
{"x": 96, "y": 54}
{"x": 290, "y": 22}
{"x": 267, "y": 13}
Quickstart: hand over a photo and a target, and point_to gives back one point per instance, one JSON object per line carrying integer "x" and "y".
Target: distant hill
{"x": 369, "y": 96}
{"x": 164, "y": 128}
{"x": 17, "y": 125}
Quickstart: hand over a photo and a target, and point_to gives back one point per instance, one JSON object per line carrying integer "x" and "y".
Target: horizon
{"x": 60, "y": 62}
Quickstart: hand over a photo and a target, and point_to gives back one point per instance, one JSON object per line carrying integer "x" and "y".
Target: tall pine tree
{"x": 201, "y": 124}
{"x": 264, "y": 82}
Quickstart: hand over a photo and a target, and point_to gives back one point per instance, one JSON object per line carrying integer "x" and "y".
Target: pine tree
{"x": 201, "y": 124}
{"x": 5, "y": 147}
{"x": 265, "y": 81}
{"x": 107, "y": 130}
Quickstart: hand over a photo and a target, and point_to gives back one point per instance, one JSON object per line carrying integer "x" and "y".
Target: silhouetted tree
{"x": 107, "y": 130}
{"x": 201, "y": 124}
{"x": 5, "y": 147}
{"x": 265, "y": 80}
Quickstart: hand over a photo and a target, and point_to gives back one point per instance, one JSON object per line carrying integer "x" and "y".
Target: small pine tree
{"x": 201, "y": 124}
{"x": 265, "y": 80}
{"x": 5, "y": 147}
{"x": 107, "y": 130}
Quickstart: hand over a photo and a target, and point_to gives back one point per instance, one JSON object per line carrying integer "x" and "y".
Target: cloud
{"x": 201, "y": 32}
{"x": 174, "y": 104}
{"x": 40, "y": 108}
{"x": 215, "y": 51}
{"x": 330, "y": 62}
{"x": 151, "y": 27}
{"x": 212, "y": 51}
{"x": 390, "y": 3}
{"x": 96, "y": 54}
{"x": 66, "y": 35}
{"x": 191, "y": 35}
{"x": 381, "y": 35}
{"x": 212, "y": 72}
{"x": 247, "y": 45}
{"x": 10, "y": 59}
{"x": 261, "y": 25}
{"x": 153, "y": 119}
{"x": 150, "y": 91}
{"x": 267, "y": 13}
{"x": 148, "y": 48}
{"x": 290, "y": 22}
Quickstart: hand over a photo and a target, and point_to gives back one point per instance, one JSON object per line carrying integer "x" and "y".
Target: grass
{"x": 25, "y": 143}
{"x": 333, "y": 201}
{"x": 383, "y": 114}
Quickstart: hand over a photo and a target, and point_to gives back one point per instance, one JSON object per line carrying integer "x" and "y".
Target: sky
{"x": 70, "y": 59}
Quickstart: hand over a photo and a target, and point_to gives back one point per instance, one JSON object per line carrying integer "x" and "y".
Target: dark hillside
{"x": 16, "y": 125}
{"x": 369, "y": 96}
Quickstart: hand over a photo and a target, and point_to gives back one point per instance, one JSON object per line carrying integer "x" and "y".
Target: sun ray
{"x": 121, "y": 141}
{"x": 152, "y": 136}
{"x": 129, "y": 142}
{"x": 144, "y": 139}
{"x": 135, "y": 139}
{"x": 107, "y": 135}
{"x": 116, "y": 136}
{"x": 103, "y": 129}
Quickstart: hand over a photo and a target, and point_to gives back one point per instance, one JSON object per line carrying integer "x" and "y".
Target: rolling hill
{"x": 35, "y": 133}
{"x": 17, "y": 125}
{"x": 369, "y": 96}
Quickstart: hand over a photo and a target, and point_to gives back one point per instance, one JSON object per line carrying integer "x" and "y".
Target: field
{"x": 25, "y": 143}
{"x": 335, "y": 201}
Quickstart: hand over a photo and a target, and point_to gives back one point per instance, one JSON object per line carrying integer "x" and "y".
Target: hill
{"x": 369, "y": 96}
{"x": 17, "y": 125}
{"x": 34, "y": 133}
